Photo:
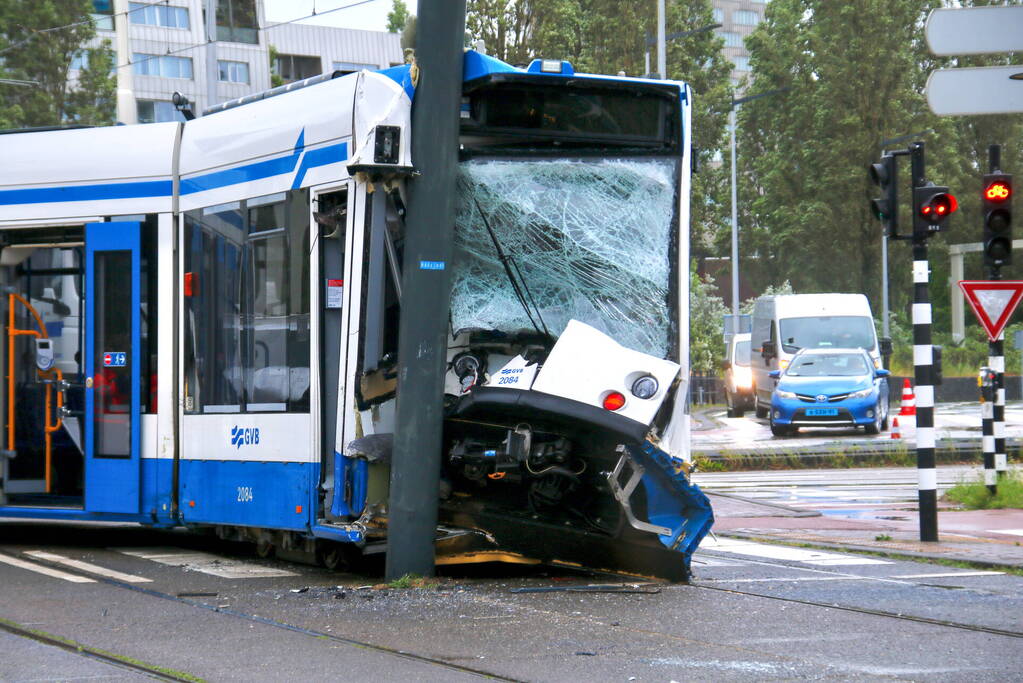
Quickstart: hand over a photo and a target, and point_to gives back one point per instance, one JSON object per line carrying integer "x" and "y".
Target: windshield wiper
{"x": 522, "y": 293}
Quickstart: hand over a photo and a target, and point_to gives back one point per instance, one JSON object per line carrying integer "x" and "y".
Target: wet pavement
{"x": 957, "y": 426}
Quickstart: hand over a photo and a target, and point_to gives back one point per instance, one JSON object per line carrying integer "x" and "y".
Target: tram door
{"x": 112, "y": 379}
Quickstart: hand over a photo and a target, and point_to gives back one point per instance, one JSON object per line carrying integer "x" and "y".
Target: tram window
{"x": 247, "y": 306}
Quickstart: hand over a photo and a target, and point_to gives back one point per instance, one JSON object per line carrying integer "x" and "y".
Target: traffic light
{"x": 886, "y": 207}
{"x": 996, "y": 201}
{"x": 932, "y": 205}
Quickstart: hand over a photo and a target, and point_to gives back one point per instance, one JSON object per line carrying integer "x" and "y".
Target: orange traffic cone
{"x": 908, "y": 399}
{"x": 896, "y": 434}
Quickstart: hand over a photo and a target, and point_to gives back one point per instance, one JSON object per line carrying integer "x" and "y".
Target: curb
{"x": 852, "y": 548}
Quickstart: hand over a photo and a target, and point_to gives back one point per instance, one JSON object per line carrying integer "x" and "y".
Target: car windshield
{"x": 827, "y": 331}
{"x": 828, "y": 365}
{"x": 741, "y": 353}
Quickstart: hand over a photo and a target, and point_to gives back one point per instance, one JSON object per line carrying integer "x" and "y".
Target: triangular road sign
{"x": 993, "y": 301}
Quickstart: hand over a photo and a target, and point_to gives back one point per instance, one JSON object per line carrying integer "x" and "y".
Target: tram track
{"x": 266, "y": 621}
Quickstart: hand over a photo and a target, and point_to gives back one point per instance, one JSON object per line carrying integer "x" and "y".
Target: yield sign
{"x": 993, "y": 301}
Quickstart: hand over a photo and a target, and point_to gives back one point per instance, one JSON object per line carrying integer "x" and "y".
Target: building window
{"x": 741, "y": 63}
{"x": 158, "y": 15}
{"x": 157, "y": 111}
{"x": 731, "y": 38}
{"x": 233, "y": 72}
{"x": 246, "y": 292}
{"x": 352, "y": 67}
{"x": 237, "y": 21}
{"x": 167, "y": 66}
{"x": 745, "y": 17}
{"x": 297, "y": 67}
{"x": 719, "y": 15}
{"x": 103, "y": 14}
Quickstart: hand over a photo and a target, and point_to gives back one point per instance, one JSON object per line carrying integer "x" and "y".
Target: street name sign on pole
{"x": 993, "y": 301}
{"x": 978, "y": 90}
{"x": 974, "y": 30}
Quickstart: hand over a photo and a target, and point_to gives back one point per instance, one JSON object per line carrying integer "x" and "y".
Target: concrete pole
{"x": 127, "y": 112}
{"x": 662, "y": 50}
{"x": 426, "y": 284}
{"x": 212, "y": 67}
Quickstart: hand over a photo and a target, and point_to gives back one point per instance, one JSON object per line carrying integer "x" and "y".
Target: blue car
{"x": 829, "y": 388}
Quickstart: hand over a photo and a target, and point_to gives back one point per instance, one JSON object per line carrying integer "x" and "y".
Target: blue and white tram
{"x": 201, "y": 323}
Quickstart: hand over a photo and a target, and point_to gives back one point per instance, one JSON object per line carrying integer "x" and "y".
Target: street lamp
{"x": 662, "y": 69}
{"x": 735, "y": 210}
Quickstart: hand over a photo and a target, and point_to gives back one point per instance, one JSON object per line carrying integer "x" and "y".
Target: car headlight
{"x": 784, "y": 394}
{"x": 743, "y": 376}
{"x": 862, "y": 393}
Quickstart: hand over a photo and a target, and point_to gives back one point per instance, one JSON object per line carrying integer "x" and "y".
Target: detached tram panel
{"x": 201, "y": 323}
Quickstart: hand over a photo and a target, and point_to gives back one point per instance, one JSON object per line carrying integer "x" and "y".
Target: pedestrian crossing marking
{"x": 86, "y": 567}
{"x": 207, "y": 563}
{"x": 40, "y": 569}
{"x": 780, "y": 552}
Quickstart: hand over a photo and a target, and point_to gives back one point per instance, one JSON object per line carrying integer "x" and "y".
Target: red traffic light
{"x": 939, "y": 206}
{"x": 998, "y": 191}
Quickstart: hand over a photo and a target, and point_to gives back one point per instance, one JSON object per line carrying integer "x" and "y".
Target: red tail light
{"x": 614, "y": 401}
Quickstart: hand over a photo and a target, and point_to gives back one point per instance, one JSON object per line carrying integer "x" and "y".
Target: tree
{"x": 706, "y": 314}
{"x": 608, "y": 36}
{"x": 38, "y": 41}
{"x": 398, "y": 16}
{"x": 854, "y": 72}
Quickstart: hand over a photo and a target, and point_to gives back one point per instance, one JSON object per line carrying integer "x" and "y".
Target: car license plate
{"x": 821, "y": 412}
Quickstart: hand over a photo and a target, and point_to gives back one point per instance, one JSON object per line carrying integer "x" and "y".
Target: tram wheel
{"x": 264, "y": 548}
{"x": 332, "y": 555}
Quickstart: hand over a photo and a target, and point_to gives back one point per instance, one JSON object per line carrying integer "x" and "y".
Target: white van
{"x": 785, "y": 323}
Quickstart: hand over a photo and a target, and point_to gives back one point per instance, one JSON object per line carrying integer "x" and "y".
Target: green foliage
{"x": 706, "y": 312}
{"x": 275, "y": 78}
{"x": 975, "y": 495}
{"x": 608, "y": 36}
{"x": 31, "y": 50}
{"x": 398, "y": 16}
{"x": 958, "y": 360}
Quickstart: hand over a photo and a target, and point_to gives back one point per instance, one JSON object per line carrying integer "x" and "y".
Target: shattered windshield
{"x": 592, "y": 238}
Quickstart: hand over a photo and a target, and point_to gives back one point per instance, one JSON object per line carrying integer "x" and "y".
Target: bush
{"x": 974, "y": 495}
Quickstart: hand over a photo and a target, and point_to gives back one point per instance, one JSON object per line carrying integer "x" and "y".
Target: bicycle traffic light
{"x": 932, "y": 205}
{"x": 886, "y": 207}
{"x": 996, "y": 202}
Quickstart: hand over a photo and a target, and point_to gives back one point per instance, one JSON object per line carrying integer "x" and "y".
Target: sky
{"x": 370, "y": 15}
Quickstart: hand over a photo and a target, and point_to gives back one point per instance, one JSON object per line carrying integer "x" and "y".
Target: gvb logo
{"x": 244, "y": 436}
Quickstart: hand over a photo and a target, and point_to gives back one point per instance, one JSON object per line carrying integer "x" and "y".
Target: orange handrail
{"x": 48, "y": 429}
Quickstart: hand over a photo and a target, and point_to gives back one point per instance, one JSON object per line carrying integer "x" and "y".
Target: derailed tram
{"x": 202, "y": 320}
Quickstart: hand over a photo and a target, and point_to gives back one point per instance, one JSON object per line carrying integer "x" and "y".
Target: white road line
{"x": 40, "y": 569}
{"x": 1011, "y": 532}
{"x": 86, "y": 567}
{"x": 780, "y": 552}
{"x": 945, "y": 574}
{"x": 844, "y": 577}
{"x": 206, "y": 563}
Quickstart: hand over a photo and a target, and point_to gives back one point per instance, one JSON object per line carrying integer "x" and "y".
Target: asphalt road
{"x": 753, "y": 612}
{"x": 954, "y": 423}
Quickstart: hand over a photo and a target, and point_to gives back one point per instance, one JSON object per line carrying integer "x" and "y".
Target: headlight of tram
{"x": 644, "y": 387}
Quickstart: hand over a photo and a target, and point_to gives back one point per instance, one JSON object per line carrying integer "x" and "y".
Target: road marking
{"x": 945, "y": 574}
{"x": 1011, "y": 532}
{"x": 206, "y": 563}
{"x": 40, "y": 569}
{"x": 86, "y": 567}
{"x": 780, "y": 552}
{"x": 845, "y": 577}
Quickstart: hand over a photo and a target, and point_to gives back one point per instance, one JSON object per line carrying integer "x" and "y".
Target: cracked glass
{"x": 593, "y": 240}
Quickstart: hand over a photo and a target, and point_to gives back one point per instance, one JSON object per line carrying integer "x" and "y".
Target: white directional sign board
{"x": 975, "y": 30}
{"x": 980, "y": 90}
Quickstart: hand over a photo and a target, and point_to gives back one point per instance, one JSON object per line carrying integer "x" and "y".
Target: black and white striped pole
{"x": 924, "y": 214}
{"x": 996, "y": 349}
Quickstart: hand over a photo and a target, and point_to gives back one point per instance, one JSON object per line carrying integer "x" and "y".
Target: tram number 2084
{"x": 244, "y": 494}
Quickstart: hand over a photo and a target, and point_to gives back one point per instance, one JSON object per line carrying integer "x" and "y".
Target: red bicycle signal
{"x": 998, "y": 192}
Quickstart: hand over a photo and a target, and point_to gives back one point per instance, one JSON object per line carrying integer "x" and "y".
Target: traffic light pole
{"x": 996, "y": 361}
{"x": 923, "y": 370}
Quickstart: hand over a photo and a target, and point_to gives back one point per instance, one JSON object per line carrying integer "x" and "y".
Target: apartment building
{"x": 737, "y": 18}
{"x": 162, "y": 49}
